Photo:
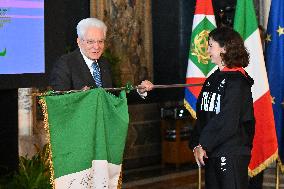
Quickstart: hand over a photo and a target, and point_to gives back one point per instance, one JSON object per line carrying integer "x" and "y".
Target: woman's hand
{"x": 199, "y": 154}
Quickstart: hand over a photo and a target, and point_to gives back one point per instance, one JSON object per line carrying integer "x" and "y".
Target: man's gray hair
{"x": 86, "y": 23}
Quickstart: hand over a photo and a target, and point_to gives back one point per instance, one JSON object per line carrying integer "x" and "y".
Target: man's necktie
{"x": 97, "y": 74}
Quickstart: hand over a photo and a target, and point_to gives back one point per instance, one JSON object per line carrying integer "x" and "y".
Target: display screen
{"x": 22, "y": 36}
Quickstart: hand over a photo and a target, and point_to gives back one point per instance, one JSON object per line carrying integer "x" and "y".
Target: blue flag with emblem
{"x": 274, "y": 55}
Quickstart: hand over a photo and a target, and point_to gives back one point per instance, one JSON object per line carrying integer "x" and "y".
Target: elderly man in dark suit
{"x": 85, "y": 67}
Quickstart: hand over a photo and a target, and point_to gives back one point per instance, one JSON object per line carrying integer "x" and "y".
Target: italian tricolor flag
{"x": 87, "y": 132}
{"x": 199, "y": 63}
{"x": 265, "y": 147}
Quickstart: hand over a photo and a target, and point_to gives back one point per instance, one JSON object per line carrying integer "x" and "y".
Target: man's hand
{"x": 199, "y": 154}
{"x": 85, "y": 88}
{"x": 145, "y": 86}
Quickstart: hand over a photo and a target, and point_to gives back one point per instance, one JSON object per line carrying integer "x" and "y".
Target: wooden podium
{"x": 174, "y": 142}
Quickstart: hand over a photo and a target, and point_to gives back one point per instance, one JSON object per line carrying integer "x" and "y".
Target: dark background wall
{"x": 172, "y": 22}
{"x": 61, "y": 18}
{"x": 8, "y": 131}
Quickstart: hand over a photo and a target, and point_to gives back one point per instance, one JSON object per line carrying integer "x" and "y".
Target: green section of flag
{"x": 245, "y": 20}
{"x": 198, "y": 46}
{"x": 86, "y": 126}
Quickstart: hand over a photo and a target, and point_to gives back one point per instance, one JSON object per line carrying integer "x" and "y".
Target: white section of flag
{"x": 101, "y": 175}
{"x": 193, "y": 70}
{"x": 256, "y": 68}
{"x": 199, "y": 17}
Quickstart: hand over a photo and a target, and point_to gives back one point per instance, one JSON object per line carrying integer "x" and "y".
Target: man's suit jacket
{"x": 71, "y": 72}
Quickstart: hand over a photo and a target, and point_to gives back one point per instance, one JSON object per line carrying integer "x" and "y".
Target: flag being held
{"x": 87, "y": 137}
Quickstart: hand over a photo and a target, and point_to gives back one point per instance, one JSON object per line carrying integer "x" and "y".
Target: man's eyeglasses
{"x": 92, "y": 42}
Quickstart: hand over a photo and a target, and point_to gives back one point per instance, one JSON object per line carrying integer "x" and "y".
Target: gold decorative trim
{"x": 190, "y": 109}
{"x": 264, "y": 165}
{"x": 42, "y": 102}
{"x": 119, "y": 184}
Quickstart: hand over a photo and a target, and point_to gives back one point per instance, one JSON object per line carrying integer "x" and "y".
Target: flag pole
{"x": 199, "y": 177}
{"x": 123, "y": 88}
{"x": 157, "y": 86}
{"x": 277, "y": 175}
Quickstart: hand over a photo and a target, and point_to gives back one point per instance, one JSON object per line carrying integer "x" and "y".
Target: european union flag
{"x": 274, "y": 55}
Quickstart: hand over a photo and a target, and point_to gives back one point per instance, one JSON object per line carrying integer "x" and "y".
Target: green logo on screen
{"x": 3, "y": 53}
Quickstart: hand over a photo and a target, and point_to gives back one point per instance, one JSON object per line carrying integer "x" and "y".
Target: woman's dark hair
{"x": 236, "y": 54}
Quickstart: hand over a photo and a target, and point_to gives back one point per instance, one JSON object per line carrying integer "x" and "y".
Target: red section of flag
{"x": 196, "y": 89}
{"x": 265, "y": 142}
{"x": 204, "y": 7}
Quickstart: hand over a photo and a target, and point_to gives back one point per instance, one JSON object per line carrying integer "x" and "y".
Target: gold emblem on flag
{"x": 199, "y": 47}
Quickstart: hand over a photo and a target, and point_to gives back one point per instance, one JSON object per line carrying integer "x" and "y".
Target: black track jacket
{"x": 225, "y": 118}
